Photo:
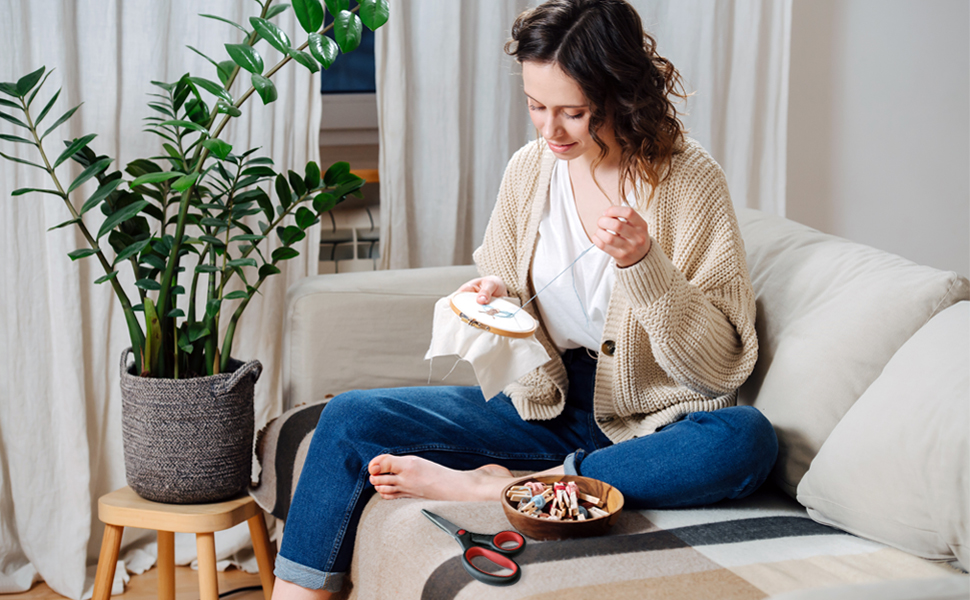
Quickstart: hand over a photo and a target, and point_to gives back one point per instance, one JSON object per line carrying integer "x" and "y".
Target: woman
{"x": 651, "y": 336}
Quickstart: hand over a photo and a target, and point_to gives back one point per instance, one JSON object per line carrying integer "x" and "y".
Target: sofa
{"x": 863, "y": 370}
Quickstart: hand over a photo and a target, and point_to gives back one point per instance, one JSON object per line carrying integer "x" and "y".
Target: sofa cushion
{"x": 831, "y": 313}
{"x": 895, "y": 469}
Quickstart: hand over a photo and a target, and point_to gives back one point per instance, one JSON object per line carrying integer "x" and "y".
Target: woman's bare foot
{"x": 415, "y": 477}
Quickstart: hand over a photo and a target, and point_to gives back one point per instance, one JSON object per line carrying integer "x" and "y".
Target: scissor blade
{"x": 442, "y": 522}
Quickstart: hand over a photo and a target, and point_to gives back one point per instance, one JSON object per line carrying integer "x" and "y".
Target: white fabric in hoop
{"x": 498, "y": 360}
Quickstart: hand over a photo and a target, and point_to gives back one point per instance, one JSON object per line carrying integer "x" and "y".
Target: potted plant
{"x": 187, "y": 406}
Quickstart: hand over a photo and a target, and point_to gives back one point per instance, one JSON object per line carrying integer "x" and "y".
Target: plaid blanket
{"x": 753, "y": 548}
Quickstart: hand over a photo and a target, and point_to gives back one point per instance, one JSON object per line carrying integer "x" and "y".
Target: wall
{"x": 879, "y": 125}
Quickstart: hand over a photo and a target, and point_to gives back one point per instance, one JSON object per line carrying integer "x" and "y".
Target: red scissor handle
{"x": 494, "y": 557}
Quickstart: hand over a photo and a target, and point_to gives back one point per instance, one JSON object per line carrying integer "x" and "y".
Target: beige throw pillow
{"x": 831, "y": 313}
{"x": 895, "y": 469}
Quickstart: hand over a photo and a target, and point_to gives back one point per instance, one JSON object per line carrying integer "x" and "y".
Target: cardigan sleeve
{"x": 692, "y": 294}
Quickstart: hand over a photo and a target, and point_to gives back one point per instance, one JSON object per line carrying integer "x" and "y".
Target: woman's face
{"x": 559, "y": 110}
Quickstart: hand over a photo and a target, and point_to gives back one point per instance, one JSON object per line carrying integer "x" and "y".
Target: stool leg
{"x": 205, "y": 543}
{"x": 166, "y": 565}
{"x": 264, "y": 552}
{"x": 107, "y": 561}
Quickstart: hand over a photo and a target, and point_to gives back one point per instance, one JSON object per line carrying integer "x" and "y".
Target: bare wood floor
{"x": 145, "y": 586}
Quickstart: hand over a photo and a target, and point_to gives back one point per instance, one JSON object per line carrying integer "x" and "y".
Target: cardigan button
{"x": 608, "y": 347}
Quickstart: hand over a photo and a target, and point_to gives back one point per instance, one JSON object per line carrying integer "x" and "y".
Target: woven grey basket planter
{"x": 188, "y": 441}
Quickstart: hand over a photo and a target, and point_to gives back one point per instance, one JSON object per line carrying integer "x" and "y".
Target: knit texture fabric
{"x": 681, "y": 321}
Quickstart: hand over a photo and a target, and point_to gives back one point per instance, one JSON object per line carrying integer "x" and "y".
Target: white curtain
{"x": 61, "y": 335}
{"x": 451, "y": 110}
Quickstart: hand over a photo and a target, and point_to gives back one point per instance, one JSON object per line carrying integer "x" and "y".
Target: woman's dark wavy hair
{"x": 602, "y": 45}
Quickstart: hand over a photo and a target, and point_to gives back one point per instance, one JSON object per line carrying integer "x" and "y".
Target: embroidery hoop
{"x": 519, "y": 325}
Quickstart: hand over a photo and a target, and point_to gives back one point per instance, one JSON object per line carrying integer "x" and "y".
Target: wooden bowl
{"x": 547, "y": 529}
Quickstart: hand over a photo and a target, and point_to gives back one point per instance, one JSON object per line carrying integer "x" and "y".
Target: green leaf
{"x": 88, "y": 173}
{"x": 107, "y": 277}
{"x": 324, "y": 202}
{"x": 207, "y": 269}
{"x": 10, "y": 104}
{"x": 83, "y": 252}
{"x": 305, "y": 59}
{"x": 210, "y": 222}
{"x": 323, "y": 49}
{"x": 154, "y": 178}
{"x": 58, "y": 122}
{"x": 73, "y": 148}
{"x": 246, "y": 57}
{"x": 259, "y": 171}
{"x": 312, "y": 179}
{"x": 197, "y": 111}
{"x": 183, "y": 183}
{"x": 237, "y": 295}
{"x": 247, "y": 237}
{"x": 228, "y": 109}
{"x": 275, "y": 10}
{"x": 297, "y": 182}
{"x": 242, "y": 262}
{"x": 47, "y": 108}
{"x": 185, "y": 124}
{"x": 309, "y": 13}
{"x": 148, "y": 284}
{"x": 120, "y": 216}
{"x": 304, "y": 217}
{"x": 283, "y": 191}
{"x": 131, "y": 250}
{"x": 13, "y": 120}
{"x": 224, "y": 70}
{"x": 153, "y": 260}
{"x": 184, "y": 344}
{"x": 27, "y": 82}
{"x": 336, "y": 172}
{"x": 100, "y": 194}
{"x": 265, "y": 88}
{"x": 284, "y": 253}
{"x": 22, "y": 161}
{"x": 271, "y": 33}
{"x": 236, "y": 25}
{"x": 9, "y": 89}
{"x": 218, "y": 147}
{"x": 267, "y": 270}
{"x": 335, "y": 6}
{"x": 23, "y": 191}
{"x": 347, "y": 29}
{"x": 65, "y": 224}
{"x": 197, "y": 331}
{"x": 38, "y": 88}
{"x": 212, "y": 240}
{"x": 213, "y": 88}
{"x": 373, "y": 13}
{"x": 13, "y": 138}
{"x": 290, "y": 234}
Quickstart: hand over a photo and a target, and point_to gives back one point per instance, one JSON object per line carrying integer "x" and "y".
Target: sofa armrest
{"x": 366, "y": 330}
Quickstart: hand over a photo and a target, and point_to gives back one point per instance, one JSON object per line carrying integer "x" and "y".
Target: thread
{"x": 568, "y": 267}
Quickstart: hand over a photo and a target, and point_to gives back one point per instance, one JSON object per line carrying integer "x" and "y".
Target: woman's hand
{"x": 486, "y": 288}
{"x": 623, "y": 235}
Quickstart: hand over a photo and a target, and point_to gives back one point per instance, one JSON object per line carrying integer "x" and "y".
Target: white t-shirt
{"x": 573, "y": 307}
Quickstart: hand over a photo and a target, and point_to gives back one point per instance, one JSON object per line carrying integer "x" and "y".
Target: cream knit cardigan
{"x": 679, "y": 334}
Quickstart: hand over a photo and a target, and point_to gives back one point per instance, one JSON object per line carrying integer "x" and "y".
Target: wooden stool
{"x": 124, "y": 508}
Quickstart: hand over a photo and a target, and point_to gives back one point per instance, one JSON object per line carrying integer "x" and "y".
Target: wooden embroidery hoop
{"x": 466, "y": 306}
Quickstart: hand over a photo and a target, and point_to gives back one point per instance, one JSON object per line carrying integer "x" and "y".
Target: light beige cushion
{"x": 831, "y": 313}
{"x": 366, "y": 330}
{"x": 895, "y": 469}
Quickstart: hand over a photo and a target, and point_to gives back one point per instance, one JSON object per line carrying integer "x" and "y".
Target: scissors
{"x": 495, "y": 548}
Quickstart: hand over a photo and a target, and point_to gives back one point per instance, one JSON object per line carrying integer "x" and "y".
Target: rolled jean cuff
{"x": 306, "y": 577}
{"x": 571, "y": 464}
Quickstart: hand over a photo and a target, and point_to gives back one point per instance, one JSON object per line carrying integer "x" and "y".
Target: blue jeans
{"x": 702, "y": 458}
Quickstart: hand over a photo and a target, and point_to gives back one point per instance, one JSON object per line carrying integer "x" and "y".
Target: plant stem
{"x": 135, "y": 333}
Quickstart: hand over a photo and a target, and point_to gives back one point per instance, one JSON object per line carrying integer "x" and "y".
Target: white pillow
{"x": 895, "y": 469}
{"x": 831, "y": 313}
